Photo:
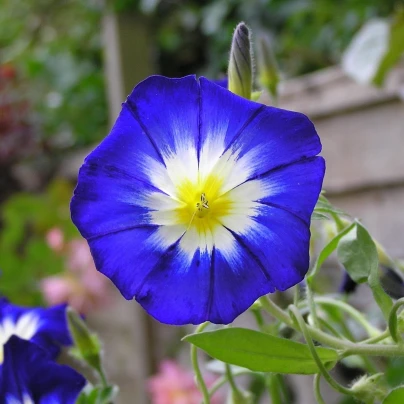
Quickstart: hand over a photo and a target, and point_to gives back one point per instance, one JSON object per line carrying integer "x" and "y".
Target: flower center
{"x": 203, "y": 203}
{"x": 202, "y": 206}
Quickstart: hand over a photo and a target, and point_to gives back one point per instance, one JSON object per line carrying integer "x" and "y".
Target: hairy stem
{"x": 197, "y": 370}
{"x": 347, "y": 348}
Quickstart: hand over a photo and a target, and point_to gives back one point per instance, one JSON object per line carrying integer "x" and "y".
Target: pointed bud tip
{"x": 242, "y": 27}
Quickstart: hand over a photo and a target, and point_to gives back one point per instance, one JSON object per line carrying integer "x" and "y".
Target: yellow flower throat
{"x": 204, "y": 203}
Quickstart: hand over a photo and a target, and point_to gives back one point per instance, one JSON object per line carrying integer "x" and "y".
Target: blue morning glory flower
{"x": 199, "y": 201}
{"x": 29, "y": 375}
{"x": 222, "y": 82}
{"x": 47, "y": 327}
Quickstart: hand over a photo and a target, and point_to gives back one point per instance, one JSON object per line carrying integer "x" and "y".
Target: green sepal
{"x": 86, "y": 344}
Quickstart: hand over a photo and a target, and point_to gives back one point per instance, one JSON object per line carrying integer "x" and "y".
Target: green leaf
{"x": 98, "y": 395}
{"x": 87, "y": 345}
{"x": 395, "y": 371}
{"x": 323, "y": 204}
{"x": 357, "y": 253}
{"x": 107, "y": 394}
{"x": 382, "y": 299}
{"x": 260, "y": 352}
{"x": 319, "y": 216}
{"x": 327, "y": 251}
{"x": 396, "y": 396}
{"x": 395, "y": 48}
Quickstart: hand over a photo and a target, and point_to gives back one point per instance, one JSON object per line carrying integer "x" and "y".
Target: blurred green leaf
{"x": 395, "y": 372}
{"x": 26, "y": 219}
{"x": 98, "y": 395}
{"x": 395, "y": 47}
{"x": 396, "y": 396}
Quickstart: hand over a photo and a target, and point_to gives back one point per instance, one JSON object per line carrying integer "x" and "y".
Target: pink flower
{"x": 175, "y": 385}
{"x": 55, "y": 239}
{"x": 81, "y": 286}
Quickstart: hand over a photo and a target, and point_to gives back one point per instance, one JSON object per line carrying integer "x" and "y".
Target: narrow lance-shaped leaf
{"x": 261, "y": 352}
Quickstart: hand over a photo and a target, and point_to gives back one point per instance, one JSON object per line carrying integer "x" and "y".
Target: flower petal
{"x": 294, "y": 188}
{"x": 114, "y": 181}
{"x": 176, "y": 291}
{"x": 182, "y": 290}
{"x": 241, "y": 275}
{"x": 168, "y": 111}
{"x": 279, "y": 240}
{"x": 127, "y": 257}
{"x": 266, "y": 137}
{"x": 28, "y": 373}
{"x": 47, "y": 327}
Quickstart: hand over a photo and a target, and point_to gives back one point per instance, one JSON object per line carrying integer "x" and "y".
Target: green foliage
{"x": 329, "y": 320}
{"x": 98, "y": 395}
{"x": 260, "y": 352}
{"x": 327, "y": 251}
{"x": 375, "y": 49}
{"x": 86, "y": 344}
{"x": 307, "y": 34}
{"x": 395, "y": 372}
{"x": 25, "y": 257}
{"x": 395, "y": 47}
{"x": 395, "y": 397}
{"x": 357, "y": 253}
{"x": 87, "y": 349}
{"x": 56, "y": 48}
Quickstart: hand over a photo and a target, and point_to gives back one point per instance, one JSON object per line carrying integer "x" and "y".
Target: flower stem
{"x": 197, "y": 371}
{"x": 347, "y": 347}
{"x": 393, "y": 328}
{"x": 312, "y": 306}
{"x": 303, "y": 327}
{"x": 223, "y": 380}
{"x": 355, "y": 314}
{"x": 316, "y": 388}
{"x": 103, "y": 377}
{"x": 230, "y": 379}
{"x": 272, "y": 383}
{"x": 318, "y": 335}
{"x": 383, "y": 335}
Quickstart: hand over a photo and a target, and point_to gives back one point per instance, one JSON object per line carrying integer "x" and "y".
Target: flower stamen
{"x": 203, "y": 204}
